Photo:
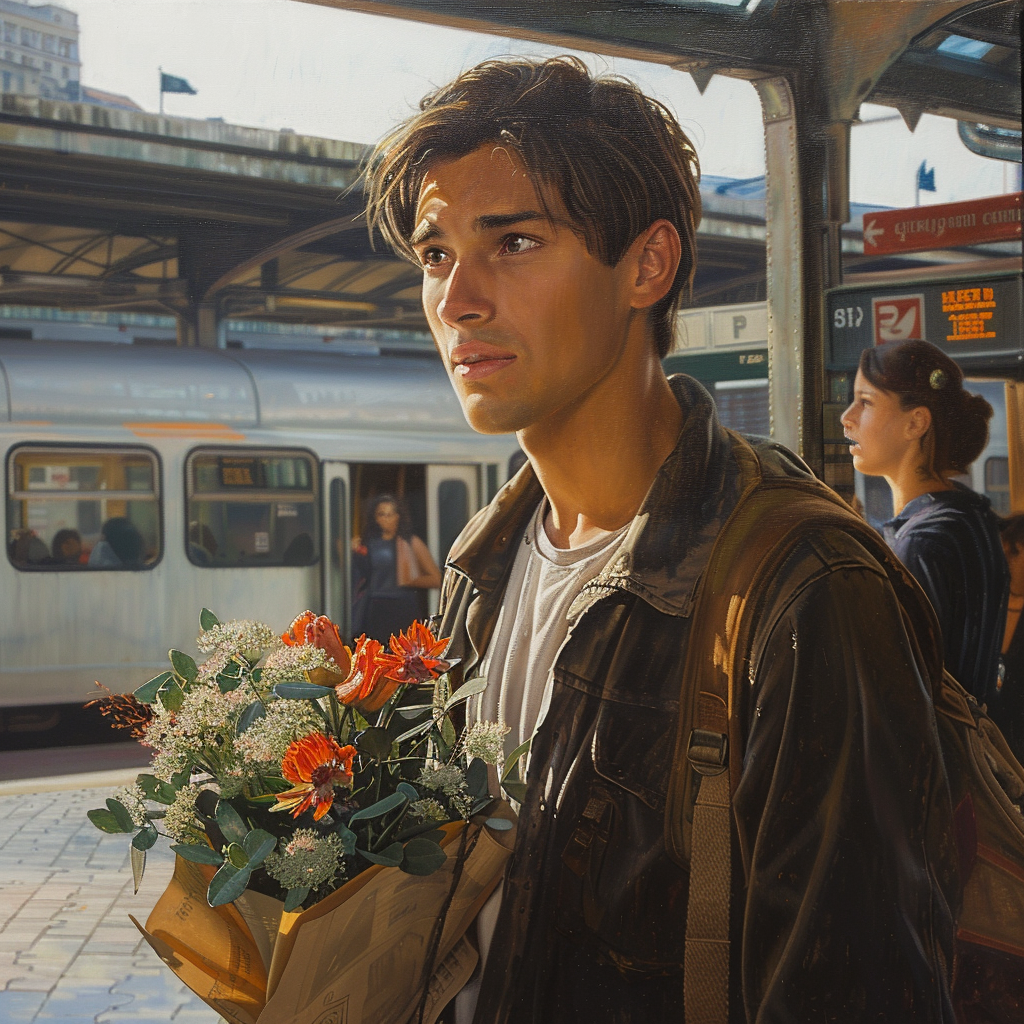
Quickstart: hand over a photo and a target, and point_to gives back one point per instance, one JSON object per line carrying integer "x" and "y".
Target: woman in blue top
{"x": 912, "y": 422}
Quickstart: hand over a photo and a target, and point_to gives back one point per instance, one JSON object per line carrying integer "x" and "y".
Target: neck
{"x": 596, "y": 460}
{"x": 910, "y": 482}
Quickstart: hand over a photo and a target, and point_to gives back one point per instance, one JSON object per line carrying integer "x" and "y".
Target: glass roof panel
{"x": 961, "y": 46}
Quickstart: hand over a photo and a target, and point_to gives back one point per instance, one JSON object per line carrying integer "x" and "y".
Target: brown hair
{"x": 919, "y": 374}
{"x": 616, "y": 158}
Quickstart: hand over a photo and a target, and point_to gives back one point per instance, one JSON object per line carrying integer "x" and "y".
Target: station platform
{"x": 68, "y": 952}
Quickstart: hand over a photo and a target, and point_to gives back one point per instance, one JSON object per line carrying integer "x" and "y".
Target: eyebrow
{"x": 488, "y": 222}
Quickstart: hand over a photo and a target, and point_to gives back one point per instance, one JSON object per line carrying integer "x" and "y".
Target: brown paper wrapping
{"x": 356, "y": 957}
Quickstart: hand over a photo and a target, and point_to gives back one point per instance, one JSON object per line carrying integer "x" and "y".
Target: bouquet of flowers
{"x": 335, "y": 833}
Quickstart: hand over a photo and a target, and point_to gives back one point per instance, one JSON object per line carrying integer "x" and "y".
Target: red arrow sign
{"x": 995, "y": 219}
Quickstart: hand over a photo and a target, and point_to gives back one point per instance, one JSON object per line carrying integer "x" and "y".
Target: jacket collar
{"x": 666, "y": 547}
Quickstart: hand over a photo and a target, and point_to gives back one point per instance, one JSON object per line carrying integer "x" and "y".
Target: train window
{"x": 997, "y": 483}
{"x": 452, "y": 513}
{"x": 249, "y": 507}
{"x": 73, "y": 508}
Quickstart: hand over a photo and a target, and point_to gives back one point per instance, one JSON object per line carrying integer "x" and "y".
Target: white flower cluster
{"x": 240, "y": 636}
{"x": 450, "y": 780}
{"x": 264, "y": 743}
{"x": 133, "y": 799}
{"x": 486, "y": 740}
{"x": 308, "y": 861}
{"x": 180, "y": 817}
{"x": 428, "y": 810}
{"x": 290, "y": 664}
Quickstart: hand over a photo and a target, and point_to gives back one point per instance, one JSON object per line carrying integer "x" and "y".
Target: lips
{"x": 474, "y": 360}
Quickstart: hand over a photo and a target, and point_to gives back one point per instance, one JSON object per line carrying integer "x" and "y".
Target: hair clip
{"x": 937, "y": 379}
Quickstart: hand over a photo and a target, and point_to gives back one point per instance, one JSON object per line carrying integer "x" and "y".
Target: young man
{"x": 554, "y": 216}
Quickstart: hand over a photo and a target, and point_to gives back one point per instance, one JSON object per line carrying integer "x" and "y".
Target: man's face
{"x": 526, "y": 320}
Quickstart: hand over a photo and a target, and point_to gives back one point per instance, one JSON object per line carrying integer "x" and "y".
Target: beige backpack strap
{"x": 752, "y": 543}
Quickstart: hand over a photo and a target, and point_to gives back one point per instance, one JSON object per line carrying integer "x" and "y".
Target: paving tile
{"x": 19, "y": 1006}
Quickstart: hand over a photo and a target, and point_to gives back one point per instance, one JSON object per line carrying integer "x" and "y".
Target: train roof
{"x": 111, "y": 384}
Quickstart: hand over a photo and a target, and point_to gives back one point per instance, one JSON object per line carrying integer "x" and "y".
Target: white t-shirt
{"x": 532, "y": 626}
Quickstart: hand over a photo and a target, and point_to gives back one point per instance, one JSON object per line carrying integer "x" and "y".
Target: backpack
{"x": 986, "y": 782}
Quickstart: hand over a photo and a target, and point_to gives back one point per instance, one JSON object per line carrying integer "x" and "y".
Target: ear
{"x": 919, "y": 421}
{"x": 655, "y": 252}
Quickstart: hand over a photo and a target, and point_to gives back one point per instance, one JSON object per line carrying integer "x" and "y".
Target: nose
{"x": 465, "y": 299}
{"x": 847, "y": 418}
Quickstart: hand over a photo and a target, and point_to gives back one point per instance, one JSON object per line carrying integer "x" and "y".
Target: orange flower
{"x": 316, "y": 764}
{"x": 319, "y": 631}
{"x": 415, "y": 656}
{"x": 366, "y": 688}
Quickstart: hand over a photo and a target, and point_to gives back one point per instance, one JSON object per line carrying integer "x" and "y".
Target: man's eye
{"x": 512, "y": 244}
{"x": 432, "y": 257}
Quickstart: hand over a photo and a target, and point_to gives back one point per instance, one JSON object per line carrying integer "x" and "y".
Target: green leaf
{"x": 512, "y": 764}
{"x": 498, "y": 824}
{"x": 409, "y": 792}
{"x": 184, "y": 666}
{"x": 516, "y": 790}
{"x": 197, "y": 854}
{"x": 230, "y": 821}
{"x": 228, "y": 884}
{"x": 422, "y": 857}
{"x": 252, "y": 713}
{"x": 181, "y": 779}
{"x": 414, "y": 711}
{"x": 417, "y": 730}
{"x": 427, "y": 829}
{"x": 227, "y": 682}
{"x": 468, "y": 689}
{"x": 138, "y": 858}
{"x": 390, "y": 856}
{"x": 105, "y": 821}
{"x": 302, "y": 691}
{"x": 295, "y": 899}
{"x": 380, "y": 808}
{"x": 120, "y": 812}
{"x": 237, "y": 857}
{"x": 374, "y": 743}
{"x": 147, "y": 692}
{"x": 448, "y": 733}
{"x": 476, "y": 777}
{"x": 257, "y": 844}
{"x": 348, "y": 839}
{"x": 207, "y": 620}
{"x": 156, "y": 789}
{"x": 172, "y": 696}
{"x": 145, "y": 838}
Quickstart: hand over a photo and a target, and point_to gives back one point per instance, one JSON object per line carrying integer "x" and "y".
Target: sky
{"x": 346, "y": 75}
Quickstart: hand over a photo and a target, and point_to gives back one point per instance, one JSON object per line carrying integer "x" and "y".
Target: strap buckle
{"x": 707, "y": 752}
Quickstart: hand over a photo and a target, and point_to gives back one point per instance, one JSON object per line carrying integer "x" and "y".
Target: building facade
{"x": 39, "y": 51}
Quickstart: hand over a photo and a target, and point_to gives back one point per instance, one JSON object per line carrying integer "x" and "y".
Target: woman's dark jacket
{"x": 949, "y": 540}
{"x": 838, "y": 915}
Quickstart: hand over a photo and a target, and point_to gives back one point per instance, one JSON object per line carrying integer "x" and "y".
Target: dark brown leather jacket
{"x": 838, "y": 914}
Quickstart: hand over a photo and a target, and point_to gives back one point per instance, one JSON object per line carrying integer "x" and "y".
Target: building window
{"x": 64, "y": 72}
{"x": 47, "y": 66}
{"x": 10, "y": 32}
{"x": 252, "y": 508}
{"x": 73, "y": 509}
{"x": 50, "y": 43}
{"x": 29, "y": 38}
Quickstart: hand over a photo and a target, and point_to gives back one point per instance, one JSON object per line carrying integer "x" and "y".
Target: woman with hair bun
{"x": 912, "y": 422}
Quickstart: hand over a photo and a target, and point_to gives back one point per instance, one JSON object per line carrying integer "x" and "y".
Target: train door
{"x": 336, "y": 561}
{"x": 453, "y": 495}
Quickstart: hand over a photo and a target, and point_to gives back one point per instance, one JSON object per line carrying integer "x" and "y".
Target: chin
{"x": 488, "y": 417}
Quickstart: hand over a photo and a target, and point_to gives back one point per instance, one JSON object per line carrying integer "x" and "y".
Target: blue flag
{"x": 171, "y": 83}
{"x": 925, "y": 179}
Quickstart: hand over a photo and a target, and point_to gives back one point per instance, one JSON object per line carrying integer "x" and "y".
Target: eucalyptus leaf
{"x": 180, "y": 779}
{"x": 105, "y": 821}
{"x": 172, "y": 696}
{"x": 145, "y": 838}
{"x": 468, "y": 689}
{"x": 237, "y": 857}
{"x": 120, "y": 812}
{"x": 476, "y": 777}
{"x": 417, "y": 730}
{"x": 184, "y": 666}
{"x": 516, "y": 790}
{"x": 256, "y": 675}
{"x": 414, "y": 711}
{"x": 295, "y": 899}
{"x": 230, "y": 821}
{"x": 302, "y": 691}
{"x": 380, "y": 808}
{"x": 512, "y": 764}
{"x": 390, "y": 856}
{"x": 498, "y": 824}
{"x": 227, "y": 885}
{"x": 257, "y": 844}
{"x": 424, "y": 830}
{"x": 348, "y": 839}
{"x": 252, "y": 713}
{"x": 448, "y": 732}
{"x": 207, "y": 620}
{"x": 226, "y": 682}
{"x": 156, "y": 789}
{"x": 409, "y": 792}
{"x": 147, "y": 692}
{"x": 422, "y": 857}
{"x": 197, "y": 854}
{"x": 374, "y": 743}
{"x": 138, "y": 858}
